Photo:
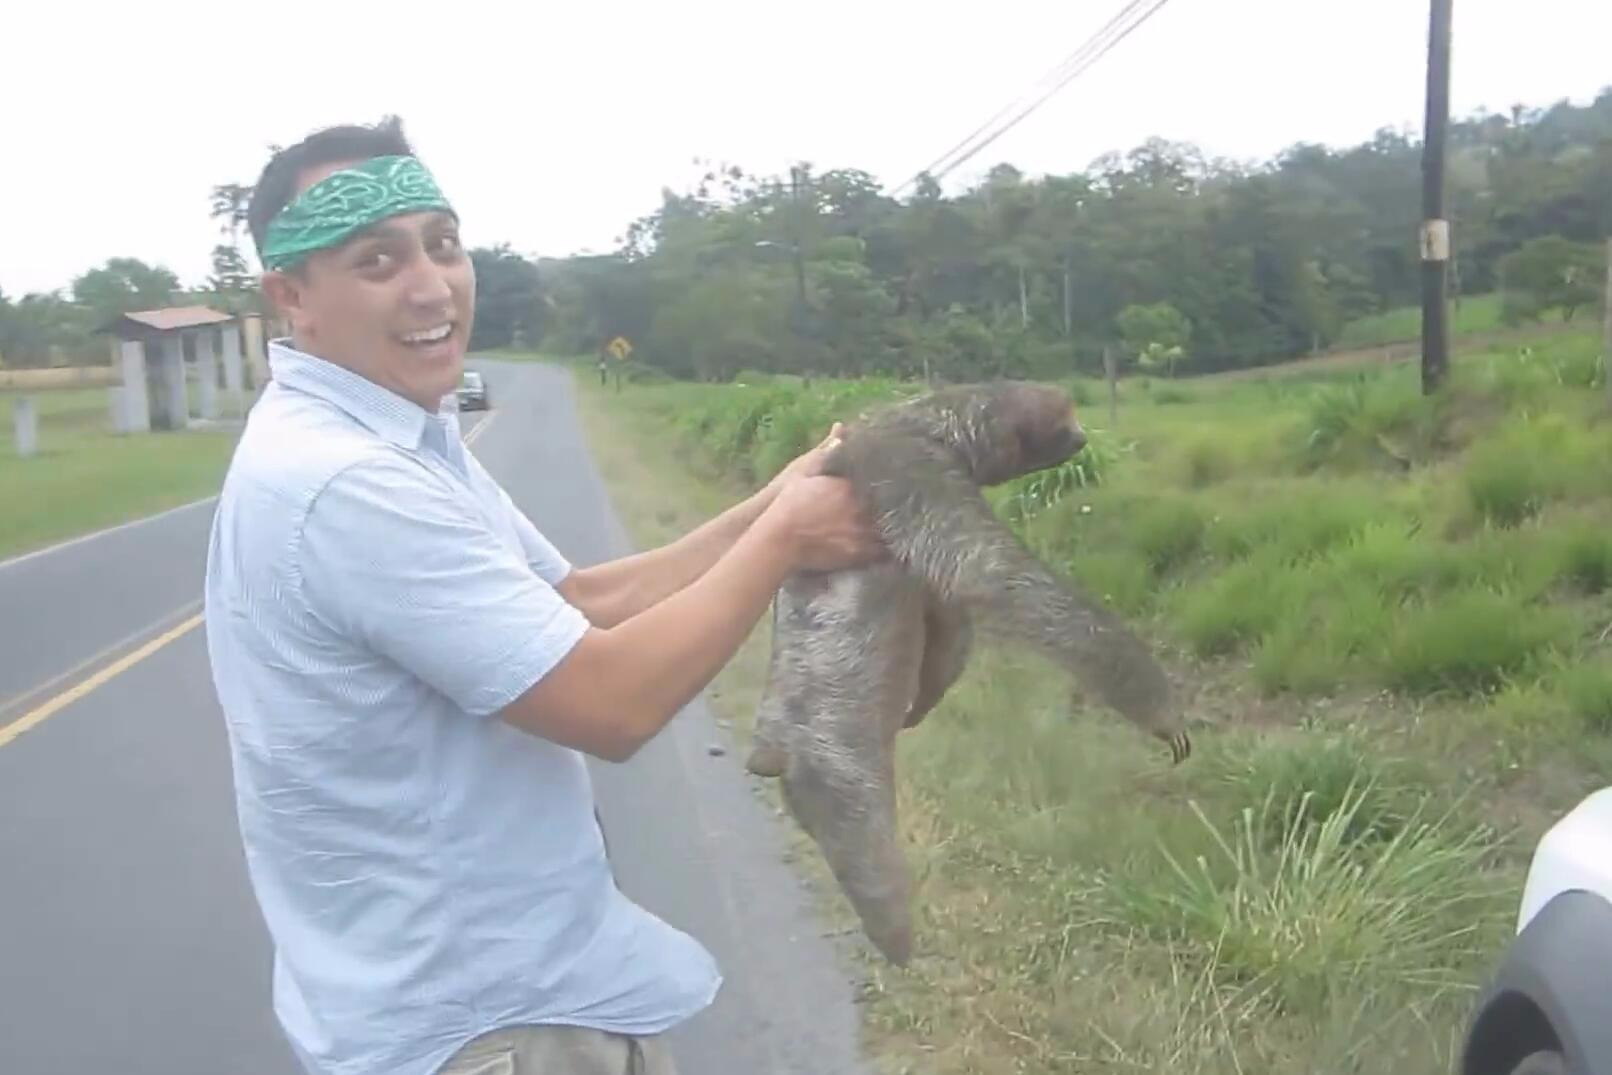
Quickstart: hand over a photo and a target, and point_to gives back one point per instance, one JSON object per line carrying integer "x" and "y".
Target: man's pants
{"x": 560, "y": 1050}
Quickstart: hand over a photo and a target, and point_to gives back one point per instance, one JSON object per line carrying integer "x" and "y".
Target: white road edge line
{"x": 83, "y": 538}
{"x": 469, "y": 438}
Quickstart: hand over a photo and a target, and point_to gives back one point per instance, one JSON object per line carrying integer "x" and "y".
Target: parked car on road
{"x": 1548, "y": 1010}
{"x": 473, "y": 392}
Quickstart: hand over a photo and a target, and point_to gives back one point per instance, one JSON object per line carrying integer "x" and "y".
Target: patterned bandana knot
{"x": 331, "y": 211}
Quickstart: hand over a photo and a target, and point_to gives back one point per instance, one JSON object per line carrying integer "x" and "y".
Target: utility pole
{"x": 1606, "y": 314}
{"x": 1435, "y": 236}
{"x": 799, "y": 215}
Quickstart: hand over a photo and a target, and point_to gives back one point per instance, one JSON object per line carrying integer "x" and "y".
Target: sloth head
{"x": 1006, "y": 429}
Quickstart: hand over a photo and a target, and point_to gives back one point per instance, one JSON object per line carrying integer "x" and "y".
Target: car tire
{"x": 1545, "y": 1062}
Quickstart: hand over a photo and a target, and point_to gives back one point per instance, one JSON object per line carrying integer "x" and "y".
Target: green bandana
{"x": 333, "y": 209}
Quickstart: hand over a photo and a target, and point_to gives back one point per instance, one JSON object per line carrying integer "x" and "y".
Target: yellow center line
{"x": 35, "y": 717}
{"x": 481, "y": 427}
{"x": 15, "y": 702}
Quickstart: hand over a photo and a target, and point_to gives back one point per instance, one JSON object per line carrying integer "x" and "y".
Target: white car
{"x": 1548, "y": 1010}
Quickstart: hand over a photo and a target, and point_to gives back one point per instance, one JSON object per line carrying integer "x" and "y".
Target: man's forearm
{"x": 620, "y": 685}
{"x": 611, "y": 593}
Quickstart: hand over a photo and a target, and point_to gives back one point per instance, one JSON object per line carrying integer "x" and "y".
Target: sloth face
{"x": 1024, "y": 427}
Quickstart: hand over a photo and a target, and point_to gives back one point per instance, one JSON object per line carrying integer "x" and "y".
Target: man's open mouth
{"x": 426, "y": 337}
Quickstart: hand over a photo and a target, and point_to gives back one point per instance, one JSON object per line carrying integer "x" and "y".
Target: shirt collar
{"x": 384, "y": 412}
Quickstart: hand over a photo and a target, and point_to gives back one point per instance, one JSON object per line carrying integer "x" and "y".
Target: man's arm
{"x": 611, "y": 593}
{"x": 619, "y": 686}
{"x": 396, "y": 562}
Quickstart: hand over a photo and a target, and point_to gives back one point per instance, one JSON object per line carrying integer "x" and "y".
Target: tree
{"x": 123, "y": 285}
{"x": 509, "y": 304}
{"x": 230, "y": 273}
{"x": 230, "y": 202}
{"x": 1157, "y": 334}
{"x": 1551, "y": 273}
{"x": 1260, "y": 261}
{"x": 37, "y": 327}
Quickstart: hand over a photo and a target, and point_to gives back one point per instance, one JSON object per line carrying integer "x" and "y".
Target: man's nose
{"x": 428, "y": 284}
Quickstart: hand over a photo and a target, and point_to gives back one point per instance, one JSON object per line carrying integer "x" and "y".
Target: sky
{"x": 551, "y": 126}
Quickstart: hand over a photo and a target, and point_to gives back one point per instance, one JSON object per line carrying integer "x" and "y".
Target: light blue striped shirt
{"x": 427, "y": 872}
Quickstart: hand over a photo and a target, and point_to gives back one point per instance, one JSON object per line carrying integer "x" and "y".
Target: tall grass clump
{"x": 1092, "y": 466}
{"x": 1308, "y": 911}
{"x": 1586, "y": 688}
{"x": 1585, "y": 557}
{"x": 1471, "y": 642}
{"x": 1528, "y": 463}
{"x": 1311, "y": 778}
{"x": 1240, "y": 605}
{"x": 1354, "y": 422}
{"x": 1292, "y": 521}
{"x": 1167, "y": 531}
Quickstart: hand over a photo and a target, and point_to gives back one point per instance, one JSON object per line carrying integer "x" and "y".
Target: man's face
{"x": 394, "y": 303}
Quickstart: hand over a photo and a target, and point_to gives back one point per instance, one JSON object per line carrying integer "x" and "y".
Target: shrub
{"x": 1311, "y": 779}
{"x": 1514, "y": 474}
{"x": 1468, "y": 643}
{"x": 1586, "y": 687}
{"x": 1167, "y": 532}
{"x": 1306, "y": 911}
{"x": 1119, "y": 577}
{"x": 1292, "y": 522}
{"x": 1238, "y": 606}
{"x": 1586, "y": 558}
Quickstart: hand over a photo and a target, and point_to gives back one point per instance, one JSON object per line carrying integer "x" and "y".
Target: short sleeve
{"x": 544, "y": 558}
{"x": 393, "y": 558}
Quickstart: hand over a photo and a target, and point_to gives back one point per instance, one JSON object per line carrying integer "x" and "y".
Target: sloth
{"x": 859, "y": 655}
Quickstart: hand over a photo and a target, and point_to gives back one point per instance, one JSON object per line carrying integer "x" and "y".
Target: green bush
{"x": 1306, "y": 911}
{"x": 1311, "y": 780}
{"x": 1292, "y": 521}
{"x": 1468, "y": 643}
{"x": 1119, "y": 577}
{"x": 1205, "y": 460}
{"x": 1167, "y": 532}
{"x": 1392, "y": 558}
{"x": 1504, "y": 487}
{"x": 1586, "y": 687}
{"x": 1513, "y": 475}
{"x": 1238, "y": 606}
{"x": 1354, "y": 421}
{"x": 1586, "y": 558}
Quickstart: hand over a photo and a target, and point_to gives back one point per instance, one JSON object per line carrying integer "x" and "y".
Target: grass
{"x": 1475, "y": 315}
{"x": 84, "y": 477}
{"x": 1398, "y": 668}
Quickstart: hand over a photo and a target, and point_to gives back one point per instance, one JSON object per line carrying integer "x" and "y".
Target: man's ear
{"x": 285, "y": 292}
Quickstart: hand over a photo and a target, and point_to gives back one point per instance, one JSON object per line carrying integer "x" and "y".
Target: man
{"x": 411, "y": 673}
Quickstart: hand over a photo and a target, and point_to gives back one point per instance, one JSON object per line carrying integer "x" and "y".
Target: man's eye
{"x": 448, "y": 244}
{"x": 374, "y": 261}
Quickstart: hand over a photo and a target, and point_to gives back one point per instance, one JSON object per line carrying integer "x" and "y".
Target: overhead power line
{"x": 1060, "y": 68}
{"x": 1132, "y": 15}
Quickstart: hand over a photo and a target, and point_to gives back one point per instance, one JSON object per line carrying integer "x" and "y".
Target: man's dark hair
{"x": 278, "y": 183}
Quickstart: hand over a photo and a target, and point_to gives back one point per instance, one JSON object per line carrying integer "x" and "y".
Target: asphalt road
{"x": 129, "y": 939}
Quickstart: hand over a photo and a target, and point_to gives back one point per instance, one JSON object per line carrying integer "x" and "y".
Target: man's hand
{"x": 809, "y": 464}
{"x": 824, "y": 525}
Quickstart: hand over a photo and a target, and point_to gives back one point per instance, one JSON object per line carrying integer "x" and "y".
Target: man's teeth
{"x": 430, "y": 335}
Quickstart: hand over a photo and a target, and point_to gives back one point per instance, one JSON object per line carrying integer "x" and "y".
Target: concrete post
{"x": 206, "y": 374}
{"x": 136, "y": 402}
{"x": 175, "y": 395}
{"x": 26, "y": 419}
{"x": 235, "y": 394}
{"x": 257, "y": 358}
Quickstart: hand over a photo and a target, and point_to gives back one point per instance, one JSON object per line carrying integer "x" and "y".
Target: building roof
{"x": 169, "y": 319}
